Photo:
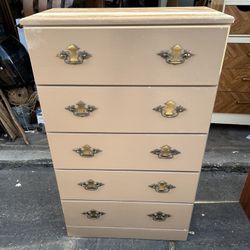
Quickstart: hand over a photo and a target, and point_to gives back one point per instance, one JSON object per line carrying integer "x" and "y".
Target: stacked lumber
{"x": 8, "y": 120}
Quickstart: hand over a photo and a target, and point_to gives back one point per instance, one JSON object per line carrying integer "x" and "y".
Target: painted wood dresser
{"x": 127, "y": 96}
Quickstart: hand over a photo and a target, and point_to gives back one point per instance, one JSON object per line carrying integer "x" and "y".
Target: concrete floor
{"x": 31, "y": 215}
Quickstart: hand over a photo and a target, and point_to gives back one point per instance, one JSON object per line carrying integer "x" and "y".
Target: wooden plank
{"x": 6, "y": 122}
{"x": 14, "y": 120}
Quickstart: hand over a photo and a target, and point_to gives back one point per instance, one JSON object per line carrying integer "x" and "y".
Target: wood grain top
{"x": 127, "y": 16}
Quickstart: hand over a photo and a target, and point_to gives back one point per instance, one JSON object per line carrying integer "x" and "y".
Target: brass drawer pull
{"x": 248, "y": 54}
{"x": 81, "y": 109}
{"x": 162, "y": 187}
{"x": 165, "y": 152}
{"x": 176, "y": 56}
{"x": 170, "y": 109}
{"x": 86, "y": 151}
{"x": 90, "y": 185}
{"x": 73, "y": 55}
{"x": 245, "y": 78}
{"x": 93, "y": 214}
{"x": 159, "y": 216}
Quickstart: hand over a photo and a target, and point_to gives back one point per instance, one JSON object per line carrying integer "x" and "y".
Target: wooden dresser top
{"x": 127, "y": 16}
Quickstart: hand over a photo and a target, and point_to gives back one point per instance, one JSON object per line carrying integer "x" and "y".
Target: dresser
{"x": 127, "y": 96}
{"x": 232, "y": 103}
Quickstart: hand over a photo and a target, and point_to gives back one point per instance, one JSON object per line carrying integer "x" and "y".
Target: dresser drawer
{"x": 232, "y": 102}
{"x": 241, "y": 14}
{"x": 127, "y": 109}
{"x": 126, "y": 55}
{"x": 127, "y": 214}
{"x": 134, "y": 233}
{"x": 237, "y": 56}
{"x": 127, "y": 151}
{"x": 235, "y": 80}
{"x": 113, "y": 185}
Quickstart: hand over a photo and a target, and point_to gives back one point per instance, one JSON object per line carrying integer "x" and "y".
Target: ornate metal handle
{"x": 169, "y": 109}
{"x": 165, "y": 152}
{"x": 90, "y": 185}
{"x": 93, "y": 214}
{"x": 159, "y": 216}
{"x": 86, "y": 151}
{"x": 73, "y": 55}
{"x": 81, "y": 109}
{"x": 176, "y": 56}
{"x": 162, "y": 187}
{"x": 245, "y": 78}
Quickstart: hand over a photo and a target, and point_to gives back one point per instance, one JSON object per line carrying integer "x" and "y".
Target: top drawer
{"x": 126, "y": 55}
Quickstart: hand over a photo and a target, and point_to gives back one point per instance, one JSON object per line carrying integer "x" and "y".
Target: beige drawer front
{"x": 136, "y": 233}
{"x": 113, "y": 185}
{"x": 128, "y": 151}
{"x": 127, "y": 109}
{"x": 127, "y": 214}
{"x": 127, "y": 55}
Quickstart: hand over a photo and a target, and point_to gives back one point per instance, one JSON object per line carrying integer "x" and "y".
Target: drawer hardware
{"x": 73, "y": 55}
{"x": 165, "y": 152}
{"x": 81, "y": 109}
{"x": 176, "y": 56}
{"x": 170, "y": 109}
{"x": 162, "y": 187}
{"x": 86, "y": 151}
{"x": 159, "y": 216}
{"x": 90, "y": 185}
{"x": 242, "y": 102}
{"x": 245, "y": 79}
{"x": 93, "y": 214}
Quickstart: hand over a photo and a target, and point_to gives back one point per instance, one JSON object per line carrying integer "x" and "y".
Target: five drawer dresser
{"x": 127, "y": 96}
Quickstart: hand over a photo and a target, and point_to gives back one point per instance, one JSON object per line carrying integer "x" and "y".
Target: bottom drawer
{"x": 127, "y": 214}
{"x": 232, "y": 102}
{"x": 135, "y": 233}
